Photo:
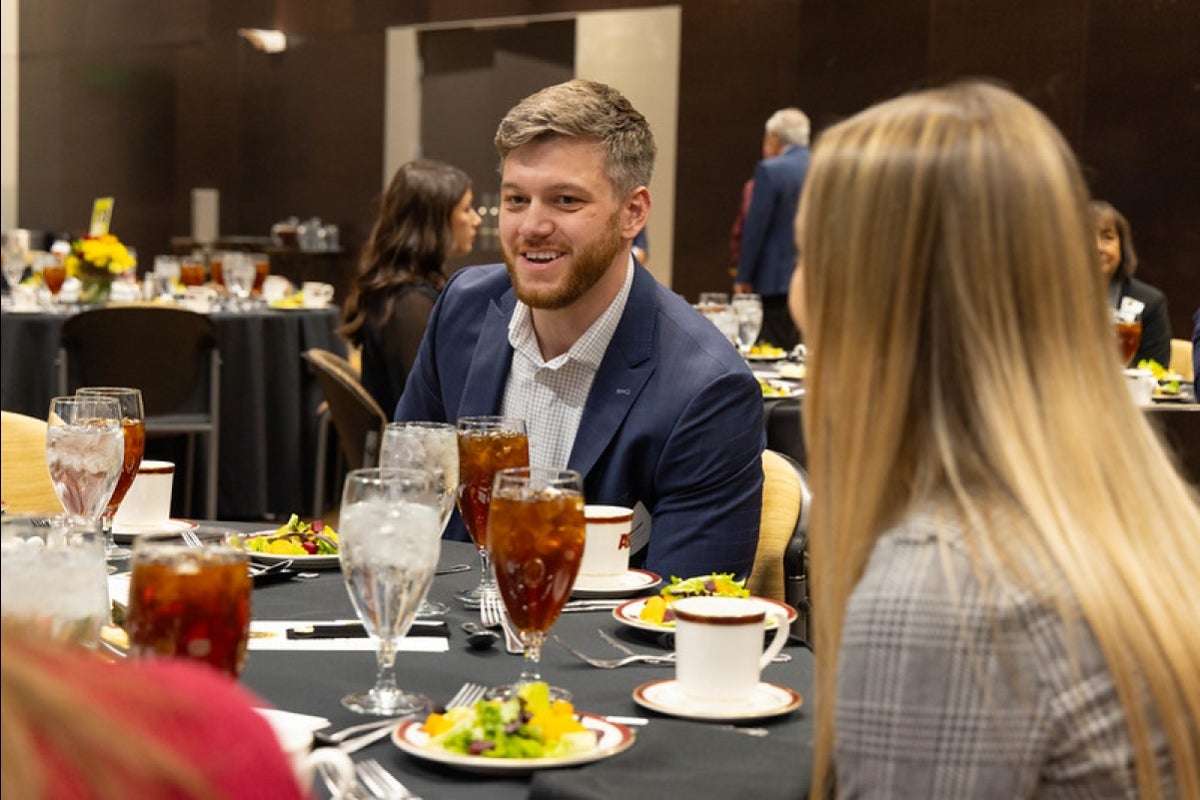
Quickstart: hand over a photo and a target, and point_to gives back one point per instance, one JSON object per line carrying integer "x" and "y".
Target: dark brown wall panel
{"x": 146, "y": 100}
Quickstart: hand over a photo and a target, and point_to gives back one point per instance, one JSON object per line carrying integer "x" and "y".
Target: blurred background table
{"x": 269, "y": 398}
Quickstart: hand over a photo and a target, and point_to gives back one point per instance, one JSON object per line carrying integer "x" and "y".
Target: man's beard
{"x": 588, "y": 266}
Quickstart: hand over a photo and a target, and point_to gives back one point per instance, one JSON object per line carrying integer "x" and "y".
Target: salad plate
{"x": 667, "y": 697}
{"x": 628, "y": 613}
{"x": 127, "y": 533}
{"x": 611, "y": 738}
{"x": 765, "y": 357}
{"x": 625, "y": 585}
{"x": 301, "y": 562}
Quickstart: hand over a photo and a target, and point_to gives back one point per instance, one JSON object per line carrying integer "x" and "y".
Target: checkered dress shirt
{"x": 550, "y": 395}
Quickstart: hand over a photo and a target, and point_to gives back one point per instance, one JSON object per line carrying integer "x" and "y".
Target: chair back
{"x": 357, "y": 418}
{"x": 25, "y": 480}
{"x": 784, "y": 512}
{"x": 166, "y": 352}
{"x": 1179, "y": 426}
{"x": 171, "y": 355}
{"x": 785, "y": 433}
{"x": 1181, "y": 359}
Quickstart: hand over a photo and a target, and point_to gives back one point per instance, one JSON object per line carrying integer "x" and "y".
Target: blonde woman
{"x": 1005, "y": 563}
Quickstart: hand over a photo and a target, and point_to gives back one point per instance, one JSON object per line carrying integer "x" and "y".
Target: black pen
{"x": 356, "y": 630}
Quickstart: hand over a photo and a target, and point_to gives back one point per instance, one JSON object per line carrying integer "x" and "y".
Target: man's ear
{"x": 635, "y": 212}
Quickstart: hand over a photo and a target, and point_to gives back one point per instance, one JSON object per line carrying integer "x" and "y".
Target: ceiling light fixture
{"x": 265, "y": 40}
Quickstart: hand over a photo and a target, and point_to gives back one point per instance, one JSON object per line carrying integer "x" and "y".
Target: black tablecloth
{"x": 268, "y": 401}
{"x": 692, "y": 754}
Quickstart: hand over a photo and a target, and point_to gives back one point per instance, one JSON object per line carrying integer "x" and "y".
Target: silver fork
{"x": 782, "y": 658}
{"x": 613, "y": 663}
{"x": 491, "y": 614}
{"x": 190, "y": 538}
{"x": 381, "y": 783}
{"x": 467, "y": 695}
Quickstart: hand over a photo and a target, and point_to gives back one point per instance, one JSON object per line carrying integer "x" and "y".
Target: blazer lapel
{"x": 628, "y": 364}
{"x": 487, "y": 374}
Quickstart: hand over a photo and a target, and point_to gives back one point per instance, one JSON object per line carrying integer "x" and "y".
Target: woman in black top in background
{"x": 1114, "y": 240}
{"x": 426, "y": 216}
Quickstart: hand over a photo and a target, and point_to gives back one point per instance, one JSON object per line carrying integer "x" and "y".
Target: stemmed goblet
{"x": 431, "y": 446}
{"x": 133, "y": 426}
{"x": 389, "y": 531}
{"x": 85, "y": 452}
{"x": 486, "y": 445}
{"x": 749, "y": 312}
{"x": 536, "y": 531}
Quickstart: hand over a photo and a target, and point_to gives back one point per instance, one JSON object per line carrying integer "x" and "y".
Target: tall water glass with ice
{"x": 85, "y": 453}
{"x": 53, "y": 577}
{"x": 390, "y": 535}
{"x": 748, "y": 310}
{"x": 431, "y": 446}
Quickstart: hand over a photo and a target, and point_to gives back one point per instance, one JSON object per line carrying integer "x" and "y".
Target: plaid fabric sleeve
{"x": 945, "y": 692}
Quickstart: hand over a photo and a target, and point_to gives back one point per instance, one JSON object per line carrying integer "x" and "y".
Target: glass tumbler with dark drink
{"x": 536, "y": 533}
{"x": 485, "y": 445}
{"x": 133, "y": 426}
{"x": 1129, "y": 336}
{"x": 190, "y": 602}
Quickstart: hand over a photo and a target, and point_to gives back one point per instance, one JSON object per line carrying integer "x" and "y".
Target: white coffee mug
{"x": 606, "y": 548}
{"x": 148, "y": 501}
{"x": 274, "y": 288}
{"x": 296, "y": 742}
{"x": 1141, "y": 383}
{"x": 719, "y": 645}
{"x": 317, "y": 294}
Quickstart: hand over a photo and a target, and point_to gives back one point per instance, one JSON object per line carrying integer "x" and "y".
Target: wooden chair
{"x": 172, "y": 355}
{"x": 1181, "y": 359}
{"x": 784, "y": 513}
{"x": 25, "y": 483}
{"x": 356, "y": 417}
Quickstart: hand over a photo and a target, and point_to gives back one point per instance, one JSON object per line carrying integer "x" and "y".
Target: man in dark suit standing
{"x": 768, "y": 248}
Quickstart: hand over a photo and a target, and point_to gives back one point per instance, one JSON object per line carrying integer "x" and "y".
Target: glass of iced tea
{"x": 536, "y": 531}
{"x": 191, "y": 271}
{"x": 133, "y": 425}
{"x": 1129, "y": 336}
{"x": 190, "y": 602}
{"x": 486, "y": 445}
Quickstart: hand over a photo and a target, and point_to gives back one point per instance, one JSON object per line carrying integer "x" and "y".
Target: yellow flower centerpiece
{"x": 96, "y": 261}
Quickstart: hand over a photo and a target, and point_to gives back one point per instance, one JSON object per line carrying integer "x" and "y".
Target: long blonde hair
{"x": 949, "y": 268}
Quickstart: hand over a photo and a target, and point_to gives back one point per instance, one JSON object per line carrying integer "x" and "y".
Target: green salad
{"x": 526, "y": 726}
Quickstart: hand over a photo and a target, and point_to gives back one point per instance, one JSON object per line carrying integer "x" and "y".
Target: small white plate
{"x": 626, "y": 585}
{"x": 127, "y": 533}
{"x": 299, "y": 562}
{"x": 667, "y": 697}
{"x": 627, "y": 614}
{"x": 612, "y": 738}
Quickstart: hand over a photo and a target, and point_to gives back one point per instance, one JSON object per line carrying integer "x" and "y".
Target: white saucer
{"x": 624, "y": 585}
{"x": 667, "y": 697}
{"x": 130, "y": 532}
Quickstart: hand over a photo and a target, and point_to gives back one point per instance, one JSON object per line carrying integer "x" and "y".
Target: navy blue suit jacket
{"x": 673, "y": 420}
{"x": 768, "y": 251}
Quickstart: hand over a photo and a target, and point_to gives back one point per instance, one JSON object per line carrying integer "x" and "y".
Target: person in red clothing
{"x": 73, "y": 725}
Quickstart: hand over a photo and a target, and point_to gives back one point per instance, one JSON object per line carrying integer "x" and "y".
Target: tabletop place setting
{"x": 554, "y": 577}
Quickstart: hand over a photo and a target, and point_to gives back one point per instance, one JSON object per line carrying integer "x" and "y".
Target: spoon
{"x": 478, "y": 637}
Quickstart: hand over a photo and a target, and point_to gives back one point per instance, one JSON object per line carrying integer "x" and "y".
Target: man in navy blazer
{"x": 615, "y": 375}
{"x": 768, "y": 247}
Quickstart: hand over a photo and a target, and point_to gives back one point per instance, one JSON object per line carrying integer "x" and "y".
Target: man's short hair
{"x": 587, "y": 110}
{"x": 790, "y": 125}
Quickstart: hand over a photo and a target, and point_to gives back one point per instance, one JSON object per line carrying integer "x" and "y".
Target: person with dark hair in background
{"x": 767, "y": 254}
{"x": 615, "y": 375}
{"x": 427, "y": 214}
{"x": 1118, "y": 260}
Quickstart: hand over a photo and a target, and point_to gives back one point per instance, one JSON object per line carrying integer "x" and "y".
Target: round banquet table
{"x": 693, "y": 757}
{"x": 269, "y": 398}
